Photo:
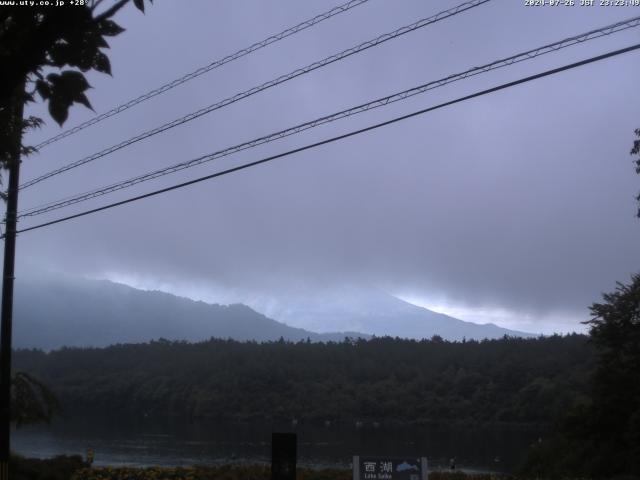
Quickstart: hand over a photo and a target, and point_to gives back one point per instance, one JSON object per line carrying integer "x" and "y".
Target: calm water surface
{"x": 145, "y": 443}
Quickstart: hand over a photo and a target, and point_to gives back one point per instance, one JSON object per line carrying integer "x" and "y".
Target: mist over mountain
{"x": 78, "y": 312}
{"x": 55, "y": 312}
{"x": 375, "y": 312}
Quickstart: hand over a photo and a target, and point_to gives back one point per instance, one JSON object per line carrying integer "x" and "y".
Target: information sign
{"x": 389, "y": 468}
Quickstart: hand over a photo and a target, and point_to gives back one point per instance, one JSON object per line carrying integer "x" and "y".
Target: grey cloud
{"x": 521, "y": 200}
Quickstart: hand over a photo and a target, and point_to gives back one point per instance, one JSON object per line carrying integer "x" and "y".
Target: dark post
{"x": 283, "y": 456}
{"x": 15, "y": 138}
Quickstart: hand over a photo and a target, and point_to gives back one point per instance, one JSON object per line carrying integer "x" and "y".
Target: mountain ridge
{"x": 52, "y": 313}
{"x": 98, "y": 313}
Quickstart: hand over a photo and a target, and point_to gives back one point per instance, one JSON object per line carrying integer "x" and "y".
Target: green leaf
{"x": 60, "y": 54}
{"x": 101, "y": 63}
{"x": 109, "y": 28}
{"x": 82, "y": 98}
{"x": 69, "y": 82}
{"x": 59, "y": 110}
{"x": 32, "y": 122}
{"x": 43, "y": 89}
{"x": 66, "y": 89}
{"x": 32, "y": 401}
{"x": 101, "y": 42}
{"x": 28, "y": 150}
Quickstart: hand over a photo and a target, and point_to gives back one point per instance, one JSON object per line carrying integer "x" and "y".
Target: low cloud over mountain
{"x": 50, "y": 313}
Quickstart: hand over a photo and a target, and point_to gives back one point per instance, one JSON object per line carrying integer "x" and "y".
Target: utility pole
{"x": 14, "y": 137}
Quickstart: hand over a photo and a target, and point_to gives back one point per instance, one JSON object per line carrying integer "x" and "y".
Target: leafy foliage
{"x": 511, "y": 380}
{"x": 614, "y": 420}
{"x": 635, "y": 150}
{"x": 31, "y": 401}
{"x": 57, "y": 468}
{"x": 62, "y": 91}
{"x": 601, "y": 436}
{"x": 64, "y": 41}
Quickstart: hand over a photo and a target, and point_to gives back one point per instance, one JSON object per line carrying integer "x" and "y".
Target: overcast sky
{"x": 516, "y": 207}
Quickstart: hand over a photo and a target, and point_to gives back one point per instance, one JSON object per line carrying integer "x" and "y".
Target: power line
{"x": 530, "y": 54}
{"x": 207, "y": 68}
{"x": 340, "y": 137}
{"x": 607, "y": 30}
{"x": 272, "y": 83}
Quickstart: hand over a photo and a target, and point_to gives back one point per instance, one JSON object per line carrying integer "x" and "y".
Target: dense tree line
{"x": 600, "y": 437}
{"x": 510, "y": 380}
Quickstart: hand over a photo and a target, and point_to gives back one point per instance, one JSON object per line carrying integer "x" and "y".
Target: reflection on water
{"x": 173, "y": 443}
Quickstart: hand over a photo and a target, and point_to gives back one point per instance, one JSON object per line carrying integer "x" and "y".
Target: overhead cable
{"x": 530, "y": 54}
{"x": 339, "y": 137}
{"x": 207, "y": 68}
{"x": 272, "y": 83}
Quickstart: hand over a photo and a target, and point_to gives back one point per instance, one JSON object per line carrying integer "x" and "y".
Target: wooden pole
{"x": 14, "y": 137}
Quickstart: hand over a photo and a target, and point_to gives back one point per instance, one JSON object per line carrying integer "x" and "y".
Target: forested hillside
{"x": 51, "y": 313}
{"x": 385, "y": 380}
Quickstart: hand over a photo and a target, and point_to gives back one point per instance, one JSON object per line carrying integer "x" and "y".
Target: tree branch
{"x": 112, "y": 11}
{"x": 95, "y": 4}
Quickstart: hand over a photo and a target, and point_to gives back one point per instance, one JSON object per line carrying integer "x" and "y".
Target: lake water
{"x": 145, "y": 443}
